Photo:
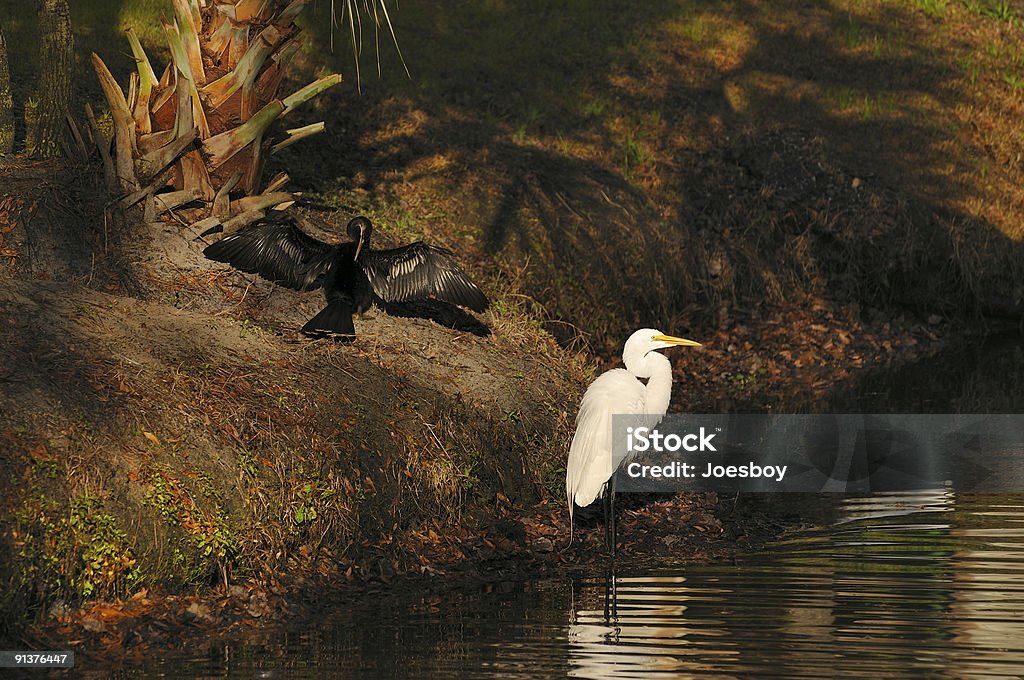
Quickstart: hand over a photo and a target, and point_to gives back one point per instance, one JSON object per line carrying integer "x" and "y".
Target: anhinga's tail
{"x": 335, "y": 318}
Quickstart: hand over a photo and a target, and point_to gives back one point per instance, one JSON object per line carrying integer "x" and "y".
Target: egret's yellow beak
{"x": 672, "y": 340}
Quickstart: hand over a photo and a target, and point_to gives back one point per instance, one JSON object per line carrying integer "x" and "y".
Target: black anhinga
{"x": 353, "y": 275}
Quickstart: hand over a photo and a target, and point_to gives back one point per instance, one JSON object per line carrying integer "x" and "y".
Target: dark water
{"x": 922, "y": 584}
{"x": 985, "y": 375}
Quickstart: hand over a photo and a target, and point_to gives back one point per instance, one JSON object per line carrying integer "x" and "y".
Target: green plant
{"x": 634, "y": 155}
{"x": 75, "y": 551}
{"x": 209, "y": 542}
{"x": 844, "y": 97}
{"x": 593, "y": 107}
{"x": 247, "y": 328}
{"x": 1013, "y": 80}
{"x": 107, "y": 564}
{"x": 853, "y": 32}
{"x": 311, "y": 499}
{"x": 971, "y": 68}
{"x": 247, "y": 462}
{"x": 933, "y": 8}
{"x": 748, "y": 382}
{"x": 519, "y": 136}
{"x": 1001, "y": 10}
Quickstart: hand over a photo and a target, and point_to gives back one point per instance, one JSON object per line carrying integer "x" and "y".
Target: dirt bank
{"x": 193, "y": 438}
{"x": 183, "y": 462}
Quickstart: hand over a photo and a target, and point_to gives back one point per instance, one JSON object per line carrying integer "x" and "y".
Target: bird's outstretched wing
{"x": 419, "y": 271}
{"x": 278, "y": 251}
{"x": 589, "y": 466}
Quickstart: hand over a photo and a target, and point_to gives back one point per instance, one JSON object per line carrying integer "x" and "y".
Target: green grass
{"x": 635, "y": 156}
{"x": 933, "y": 8}
{"x": 854, "y": 34}
{"x": 1001, "y": 10}
{"x": 1014, "y": 80}
{"x": 971, "y": 68}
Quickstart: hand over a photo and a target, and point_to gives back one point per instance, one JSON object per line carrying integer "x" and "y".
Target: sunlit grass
{"x": 970, "y": 67}
{"x": 867, "y": 104}
{"x": 1001, "y": 10}
{"x": 1014, "y": 80}
{"x": 143, "y": 16}
{"x": 933, "y": 8}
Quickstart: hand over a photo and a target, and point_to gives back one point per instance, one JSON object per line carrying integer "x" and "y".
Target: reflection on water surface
{"x": 924, "y": 583}
{"x": 927, "y": 583}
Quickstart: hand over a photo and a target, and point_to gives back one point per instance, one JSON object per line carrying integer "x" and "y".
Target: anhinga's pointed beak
{"x": 362, "y": 240}
{"x": 672, "y": 340}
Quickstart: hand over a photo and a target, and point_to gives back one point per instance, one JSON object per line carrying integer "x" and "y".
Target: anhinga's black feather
{"x": 419, "y": 271}
{"x": 353, "y": 275}
{"x": 279, "y": 252}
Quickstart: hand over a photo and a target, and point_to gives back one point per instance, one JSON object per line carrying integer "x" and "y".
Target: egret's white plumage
{"x": 618, "y": 391}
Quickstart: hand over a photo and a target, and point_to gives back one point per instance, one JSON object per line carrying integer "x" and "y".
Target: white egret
{"x": 618, "y": 391}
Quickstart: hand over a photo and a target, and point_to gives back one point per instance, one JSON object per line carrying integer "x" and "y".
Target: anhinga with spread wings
{"x": 353, "y": 275}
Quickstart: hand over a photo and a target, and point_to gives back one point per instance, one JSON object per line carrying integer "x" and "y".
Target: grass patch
{"x": 933, "y": 8}
{"x": 1014, "y": 80}
{"x": 1001, "y": 10}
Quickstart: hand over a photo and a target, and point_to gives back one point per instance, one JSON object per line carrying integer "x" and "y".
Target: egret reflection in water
{"x": 924, "y": 582}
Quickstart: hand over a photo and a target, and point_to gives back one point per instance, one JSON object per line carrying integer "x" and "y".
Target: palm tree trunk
{"x": 6, "y": 101}
{"x": 56, "y": 60}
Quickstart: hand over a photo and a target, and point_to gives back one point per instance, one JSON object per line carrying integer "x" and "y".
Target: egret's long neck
{"x": 659, "y": 384}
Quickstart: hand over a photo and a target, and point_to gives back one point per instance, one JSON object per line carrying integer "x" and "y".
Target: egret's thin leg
{"x": 611, "y": 495}
{"x": 611, "y": 599}
{"x": 615, "y": 596}
{"x": 607, "y": 598}
{"x": 606, "y": 507}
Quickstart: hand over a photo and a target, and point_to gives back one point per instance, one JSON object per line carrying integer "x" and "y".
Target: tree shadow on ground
{"x": 651, "y": 166}
{"x": 628, "y": 167}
